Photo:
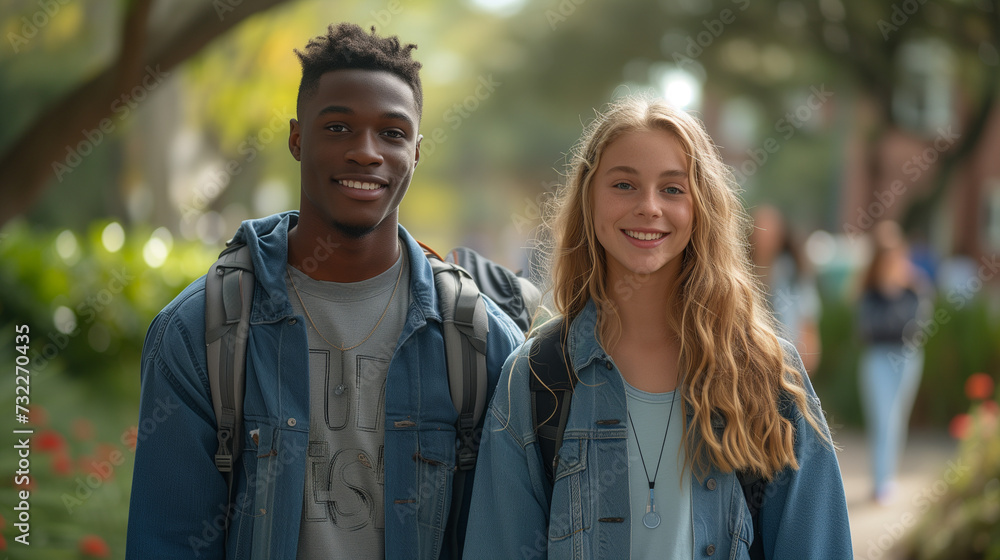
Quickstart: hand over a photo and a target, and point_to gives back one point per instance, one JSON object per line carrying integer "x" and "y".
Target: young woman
{"x": 895, "y": 295}
{"x": 679, "y": 380}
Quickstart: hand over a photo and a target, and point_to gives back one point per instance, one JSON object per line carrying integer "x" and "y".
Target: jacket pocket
{"x": 571, "y": 498}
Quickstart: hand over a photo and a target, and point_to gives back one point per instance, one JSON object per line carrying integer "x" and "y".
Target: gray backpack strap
{"x": 229, "y": 287}
{"x": 465, "y": 326}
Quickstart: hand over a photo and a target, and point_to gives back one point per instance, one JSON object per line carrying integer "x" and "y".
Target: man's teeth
{"x": 360, "y": 185}
{"x": 643, "y": 236}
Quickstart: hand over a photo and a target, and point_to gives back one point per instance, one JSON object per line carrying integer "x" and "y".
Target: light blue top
{"x": 673, "y": 538}
{"x": 585, "y": 514}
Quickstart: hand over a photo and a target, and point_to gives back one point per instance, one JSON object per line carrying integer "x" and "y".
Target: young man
{"x": 349, "y": 427}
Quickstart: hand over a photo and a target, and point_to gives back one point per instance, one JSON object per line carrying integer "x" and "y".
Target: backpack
{"x": 460, "y": 281}
{"x": 552, "y": 388}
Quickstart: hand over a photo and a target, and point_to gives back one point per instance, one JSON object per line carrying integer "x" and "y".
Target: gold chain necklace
{"x": 313, "y": 323}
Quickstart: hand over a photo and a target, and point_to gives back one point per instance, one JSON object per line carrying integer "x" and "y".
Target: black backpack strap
{"x": 517, "y": 297}
{"x": 229, "y": 287}
{"x": 465, "y": 326}
{"x": 753, "y": 490}
{"x": 551, "y": 383}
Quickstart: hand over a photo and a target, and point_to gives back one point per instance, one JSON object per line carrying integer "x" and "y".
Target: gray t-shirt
{"x": 343, "y": 509}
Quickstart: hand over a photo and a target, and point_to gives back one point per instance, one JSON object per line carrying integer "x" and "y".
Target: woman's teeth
{"x": 643, "y": 236}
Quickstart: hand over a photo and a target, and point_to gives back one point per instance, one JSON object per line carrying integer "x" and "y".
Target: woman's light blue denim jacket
{"x": 516, "y": 514}
{"x": 179, "y": 499}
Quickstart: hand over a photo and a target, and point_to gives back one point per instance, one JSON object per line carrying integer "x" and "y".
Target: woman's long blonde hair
{"x": 732, "y": 362}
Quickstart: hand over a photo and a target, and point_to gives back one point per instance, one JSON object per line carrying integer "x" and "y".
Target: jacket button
{"x": 710, "y": 484}
{"x": 291, "y": 421}
{"x": 710, "y": 549}
{"x": 608, "y": 364}
{"x": 292, "y": 321}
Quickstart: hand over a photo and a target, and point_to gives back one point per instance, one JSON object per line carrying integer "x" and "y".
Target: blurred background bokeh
{"x": 136, "y": 135}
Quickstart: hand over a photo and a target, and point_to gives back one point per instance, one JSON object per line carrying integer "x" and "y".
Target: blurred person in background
{"x": 791, "y": 286}
{"x": 894, "y": 298}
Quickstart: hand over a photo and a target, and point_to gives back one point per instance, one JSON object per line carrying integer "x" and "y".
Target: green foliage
{"x": 86, "y": 309}
{"x": 963, "y": 524}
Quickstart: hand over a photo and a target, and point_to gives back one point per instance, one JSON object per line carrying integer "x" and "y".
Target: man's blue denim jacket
{"x": 179, "y": 499}
{"x": 516, "y": 514}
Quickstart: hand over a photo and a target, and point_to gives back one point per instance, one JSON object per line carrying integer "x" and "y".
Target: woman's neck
{"x": 646, "y": 349}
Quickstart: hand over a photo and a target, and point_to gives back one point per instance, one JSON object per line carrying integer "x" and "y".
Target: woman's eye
{"x": 673, "y": 190}
{"x": 622, "y": 186}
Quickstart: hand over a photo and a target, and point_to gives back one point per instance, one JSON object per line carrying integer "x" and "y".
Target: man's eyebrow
{"x": 341, "y": 110}
{"x": 633, "y": 171}
{"x": 336, "y": 109}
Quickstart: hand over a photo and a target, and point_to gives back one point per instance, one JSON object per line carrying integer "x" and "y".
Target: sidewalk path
{"x": 876, "y": 529}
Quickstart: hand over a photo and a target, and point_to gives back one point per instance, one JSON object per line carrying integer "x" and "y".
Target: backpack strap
{"x": 551, "y": 385}
{"x": 465, "y": 326}
{"x": 753, "y": 491}
{"x": 229, "y": 288}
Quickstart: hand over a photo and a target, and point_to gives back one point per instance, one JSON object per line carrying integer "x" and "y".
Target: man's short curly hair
{"x": 347, "y": 46}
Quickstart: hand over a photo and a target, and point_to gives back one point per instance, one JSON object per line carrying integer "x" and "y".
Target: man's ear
{"x": 416, "y": 157}
{"x": 295, "y": 139}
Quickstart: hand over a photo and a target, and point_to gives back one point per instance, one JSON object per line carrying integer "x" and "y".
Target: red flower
{"x": 94, "y": 547}
{"x": 959, "y": 426}
{"x": 37, "y": 416}
{"x": 991, "y": 408}
{"x": 50, "y": 440}
{"x": 62, "y": 464}
{"x": 130, "y": 437}
{"x": 83, "y": 429}
{"x": 979, "y": 386}
{"x": 3, "y": 543}
{"x": 104, "y": 452}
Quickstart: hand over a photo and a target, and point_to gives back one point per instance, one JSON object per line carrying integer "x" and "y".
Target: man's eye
{"x": 395, "y": 134}
{"x": 337, "y": 128}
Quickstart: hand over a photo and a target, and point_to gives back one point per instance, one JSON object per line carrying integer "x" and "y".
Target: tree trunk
{"x": 65, "y": 133}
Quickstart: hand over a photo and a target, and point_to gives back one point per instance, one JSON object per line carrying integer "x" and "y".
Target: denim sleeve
{"x": 804, "y": 511}
{"x": 509, "y": 517}
{"x": 179, "y": 499}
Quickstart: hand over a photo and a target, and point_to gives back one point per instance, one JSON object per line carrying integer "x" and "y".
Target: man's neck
{"x": 325, "y": 253}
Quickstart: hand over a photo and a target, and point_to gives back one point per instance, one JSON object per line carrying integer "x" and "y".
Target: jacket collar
{"x": 267, "y": 239}
{"x": 585, "y": 348}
